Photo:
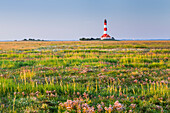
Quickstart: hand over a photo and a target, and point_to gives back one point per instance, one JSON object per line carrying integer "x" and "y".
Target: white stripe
{"x": 105, "y": 26}
{"x": 105, "y": 32}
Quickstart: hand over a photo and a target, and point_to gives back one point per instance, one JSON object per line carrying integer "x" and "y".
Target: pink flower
{"x": 130, "y": 111}
{"x": 168, "y": 78}
{"x": 106, "y": 108}
{"x": 78, "y": 93}
{"x": 23, "y": 93}
{"x": 133, "y": 106}
{"x": 135, "y": 81}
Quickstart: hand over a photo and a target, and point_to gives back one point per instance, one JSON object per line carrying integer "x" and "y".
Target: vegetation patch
{"x": 85, "y": 76}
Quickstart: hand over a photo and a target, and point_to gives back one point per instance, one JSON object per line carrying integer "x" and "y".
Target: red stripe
{"x": 105, "y": 29}
{"x": 105, "y": 23}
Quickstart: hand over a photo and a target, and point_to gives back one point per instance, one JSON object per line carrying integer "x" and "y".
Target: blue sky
{"x": 73, "y": 19}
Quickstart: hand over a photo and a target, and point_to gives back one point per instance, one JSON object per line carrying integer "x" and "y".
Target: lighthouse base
{"x": 105, "y": 36}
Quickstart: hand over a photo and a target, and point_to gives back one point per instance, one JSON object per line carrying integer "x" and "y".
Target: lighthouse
{"x": 105, "y": 35}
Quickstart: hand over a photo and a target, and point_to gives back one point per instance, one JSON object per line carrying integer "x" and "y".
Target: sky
{"x": 74, "y": 19}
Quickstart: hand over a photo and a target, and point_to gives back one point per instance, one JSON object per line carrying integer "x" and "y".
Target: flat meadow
{"x": 85, "y": 76}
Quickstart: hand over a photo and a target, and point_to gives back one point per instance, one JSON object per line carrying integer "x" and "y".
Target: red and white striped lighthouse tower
{"x": 105, "y": 35}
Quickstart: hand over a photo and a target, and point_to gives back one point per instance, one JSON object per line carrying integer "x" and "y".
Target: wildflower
{"x": 23, "y": 93}
{"x": 132, "y": 77}
{"x": 85, "y": 95}
{"x": 131, "y": 98}
{"x": 118, "y": 106}
{"x": 84, "y": 109}
{"x": 78, "y": 111}
{"x": 105, "y": 108}
{"x": 37, "y": 92}
{"x": 160, "y": 98}
{"x": 120, "y": 94}
{"x": 130, "y": 111}
{"x": 52, "y": 95}
{"x": 119, "y": 109}
{"x": 61, "y": 104}
{"x": 1, "y": 75}
{"x": 32, "y": 94}
{"x": 53, "y": 91}
{"x": 132, "y": 106}
{"x": 144, "y": 83}
{"x": 99, "y": 74}
{"x": 123, "y": 79}
{"x": 99, "y": 108}
{"x": 110, "y": 109}
{"x": 90, "y": 109}
{"x": 2, "y": 105}
{"x": 78, "y": 93}
{"x": 34, "y": 98}
{"x": 135, "y": 81}
{"x": 37, "y": 95}
{"x": 112, "y": 96}
{"x": 125, "y": 95}
{"x": 15, "y": 93}
{"x": 79, "y": 107}
{"x": 104, "y": 70}
{"x": 166, "y": 82}
{"x": 167, "y": 107}
{"x": 162, "y": 110}
{"x": 158, "y": 107}
{"x": 68, "y": 108}
{"x": 102, "y": 103}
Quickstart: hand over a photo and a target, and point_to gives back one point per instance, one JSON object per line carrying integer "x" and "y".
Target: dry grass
{"x": 36, "y": 44}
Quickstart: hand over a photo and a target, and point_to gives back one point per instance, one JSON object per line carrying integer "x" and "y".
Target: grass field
{"x": 85, "y": 77}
